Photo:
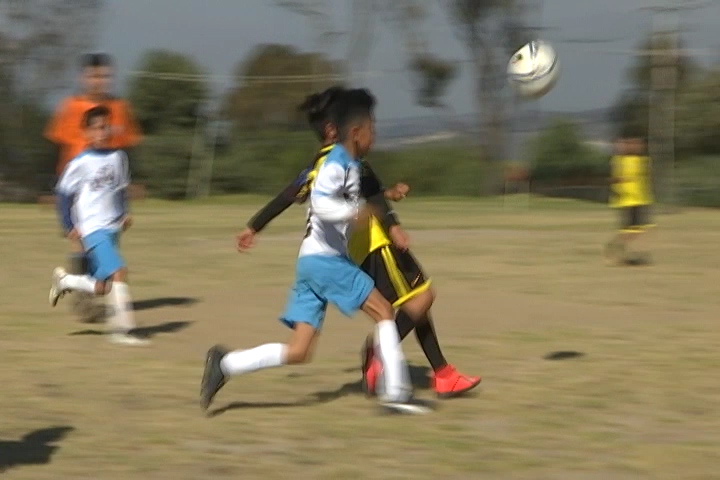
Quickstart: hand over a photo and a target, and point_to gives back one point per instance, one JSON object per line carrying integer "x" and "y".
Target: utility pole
{"x": 665, "y": 53}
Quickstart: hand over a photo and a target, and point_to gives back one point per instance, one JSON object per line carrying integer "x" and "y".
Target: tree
{"x": 632, "y": 109}
{"x": 698, "y": 115}
{"x": 169, "y": 91}
{"x": 40, "y": 43}
{"x": 482, "y": 28}
{"x": 432, "y": 76}
{"x": 273, "y": 81}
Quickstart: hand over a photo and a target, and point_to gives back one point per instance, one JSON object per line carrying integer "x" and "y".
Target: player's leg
{"x": 615, "y": 249}
{"x": 350, "y": 289}
{"x": 409, "y": 289}
{"x": 83, "y": 304}
{"x": 637, "y": 234}
{"x": 304, "y": 313}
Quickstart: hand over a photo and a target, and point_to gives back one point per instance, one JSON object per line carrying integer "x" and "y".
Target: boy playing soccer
{"x": 92, "y": 205}
{"x": 380, "y": 247}
{"x": 631, "y": 195}
{"x": 65, "y": 130}
{"x": 324, "y": 272}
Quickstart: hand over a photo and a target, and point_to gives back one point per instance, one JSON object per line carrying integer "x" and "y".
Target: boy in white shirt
{"x": 325, "y": 274}
{"x": 93, "y": 207}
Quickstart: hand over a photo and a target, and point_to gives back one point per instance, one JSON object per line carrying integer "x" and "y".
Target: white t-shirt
{"x": 94, "y": 180}
{"x": 334, "y": 202}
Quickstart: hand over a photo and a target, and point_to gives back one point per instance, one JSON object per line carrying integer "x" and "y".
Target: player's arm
{"x": 246, "y": 239}
{"x": 276, "y": 206}
{"x": 58, "y": 129}
{"x": 65, "y": 192}
{"x": 123, "y": 194}
{"x": 327, "y": 200}
{"x": 373, "y": 191}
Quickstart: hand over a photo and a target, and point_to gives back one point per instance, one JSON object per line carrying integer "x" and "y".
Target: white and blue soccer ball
{"x": 533, "y": 70}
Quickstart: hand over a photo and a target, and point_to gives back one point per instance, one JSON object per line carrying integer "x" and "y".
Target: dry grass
{"x": 642, "y": 402}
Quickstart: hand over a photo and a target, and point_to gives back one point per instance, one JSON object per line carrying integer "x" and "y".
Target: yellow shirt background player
{"x": 631, "y": 186}
{"x": 630, "y": 193}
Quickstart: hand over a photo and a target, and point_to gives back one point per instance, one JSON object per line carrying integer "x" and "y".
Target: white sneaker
{"x": 127, "y": 339}
{"x": 55, "y": 291}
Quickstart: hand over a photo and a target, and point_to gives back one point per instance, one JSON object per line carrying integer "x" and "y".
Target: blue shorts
{"x": 103, "y": 256}
{"x": 320, "y": 280}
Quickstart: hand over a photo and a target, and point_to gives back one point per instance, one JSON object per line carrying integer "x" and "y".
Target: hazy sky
{"x": 218, "y": 33}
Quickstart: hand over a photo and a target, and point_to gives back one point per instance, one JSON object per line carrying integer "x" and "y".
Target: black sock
{"x": 404, "y": 324}
{"x": 426, "y": 336}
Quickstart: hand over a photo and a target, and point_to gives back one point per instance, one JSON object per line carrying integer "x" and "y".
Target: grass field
{"x": 641, "y": 401}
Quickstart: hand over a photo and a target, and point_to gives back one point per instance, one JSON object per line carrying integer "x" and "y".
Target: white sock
{"x": 82, "y": 283}
{"x": 245, "y": 361}
{"x": 395, "y": 370}
{"x": 119, "y": 305}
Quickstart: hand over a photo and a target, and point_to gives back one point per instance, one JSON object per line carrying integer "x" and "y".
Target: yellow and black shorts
{"x": 635, "y": 219}
{"x": 397, "y": 274}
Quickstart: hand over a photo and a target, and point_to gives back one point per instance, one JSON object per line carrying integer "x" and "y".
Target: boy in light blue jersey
{"x": 92, "y": 205}
{"x": 325, "y": 274}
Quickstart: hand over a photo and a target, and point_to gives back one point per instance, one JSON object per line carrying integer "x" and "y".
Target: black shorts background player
{"x": 381, "y": 249}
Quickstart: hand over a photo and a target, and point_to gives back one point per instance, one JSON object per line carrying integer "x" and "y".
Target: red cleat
{"x": 447, "y": 382}
{"x": 371, "y": 367}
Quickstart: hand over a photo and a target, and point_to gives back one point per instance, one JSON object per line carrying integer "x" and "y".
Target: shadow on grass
{"x": 35, "y": 448}
{"x": 151, "y": 303}
{"x": 563, "y": 355}
{"x": 419, "y": 376}
{"x": 91, "y": 309}
{"x": 144, "y": 332}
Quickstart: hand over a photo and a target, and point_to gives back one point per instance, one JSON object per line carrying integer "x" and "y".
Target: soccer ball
{"x": 533, "y": 70}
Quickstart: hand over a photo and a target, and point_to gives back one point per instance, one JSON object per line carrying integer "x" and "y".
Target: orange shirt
{"x": 65, "y": 128}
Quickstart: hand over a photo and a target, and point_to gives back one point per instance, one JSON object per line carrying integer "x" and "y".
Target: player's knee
{"x": 121, "y": 275}
{"x": 102, "y": 288}
{"x": 297, "y": 354}
{"x": 427, "y": 298}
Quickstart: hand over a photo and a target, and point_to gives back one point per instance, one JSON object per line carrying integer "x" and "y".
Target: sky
{"x": 219, "y": 33}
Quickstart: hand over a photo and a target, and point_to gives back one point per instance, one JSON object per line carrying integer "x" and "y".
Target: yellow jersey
{"x": 631, "y": 186}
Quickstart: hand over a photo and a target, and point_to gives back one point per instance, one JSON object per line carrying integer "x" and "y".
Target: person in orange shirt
{"x": 65, "y": 130}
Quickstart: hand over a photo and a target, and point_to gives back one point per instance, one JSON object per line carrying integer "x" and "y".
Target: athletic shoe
{"x": 213, "y": 378}
{"x": 55, "y": 291}
{"x": 127, "y": 339}
{"x": 447, "y": 382}
{"x": 371, "y": 367}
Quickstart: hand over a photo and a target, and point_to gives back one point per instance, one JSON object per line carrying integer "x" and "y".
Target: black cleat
{"x": 213, "y": 378}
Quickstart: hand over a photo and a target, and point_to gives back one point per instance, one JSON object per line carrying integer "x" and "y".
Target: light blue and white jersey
{"x": 92, "y": 193}
{"x": 334, "y": 203}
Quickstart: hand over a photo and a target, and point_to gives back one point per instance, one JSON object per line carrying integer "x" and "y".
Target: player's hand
{"x": 127, "y": 223}
{"x": 398, "y": 192}
{"x": 245, "y": 240}
{"x": 73, "y": 235}
{"x": 399, "y": 237}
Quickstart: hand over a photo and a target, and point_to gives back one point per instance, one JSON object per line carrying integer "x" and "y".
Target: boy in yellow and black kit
{"x": 631, "y": 194}
{"x": 380, "y": 249}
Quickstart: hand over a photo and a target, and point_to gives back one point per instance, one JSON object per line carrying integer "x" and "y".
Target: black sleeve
{"x": 275, "y": 207}
{"x": 373, "y": 191}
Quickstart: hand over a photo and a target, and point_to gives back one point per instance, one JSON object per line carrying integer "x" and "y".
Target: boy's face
{"x": 97, "y": 80}
{"x": 98, "y": 132}
{"x": 363, "y": 135}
